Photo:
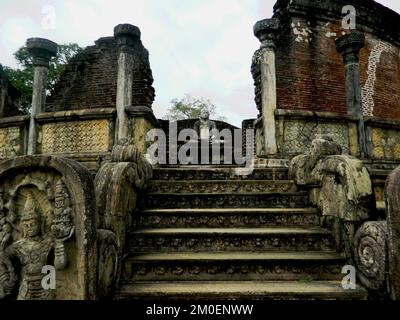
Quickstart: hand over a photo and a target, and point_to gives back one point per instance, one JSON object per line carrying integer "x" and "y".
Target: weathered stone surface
{"x": 117, "y": 184}
{"x": 343, "y": 183}
{"x": 392, "y": 196}
{"x": 370, "y": 244}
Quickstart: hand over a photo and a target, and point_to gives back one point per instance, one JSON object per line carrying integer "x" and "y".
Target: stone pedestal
{"x": 42, "y": 50}
{"x": 349, "y": 46}
{"x": 263, "y": 69}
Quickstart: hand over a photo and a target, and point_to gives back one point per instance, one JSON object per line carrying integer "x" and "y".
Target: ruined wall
{"x": 310, "y": 72}
{"x": 9, "y": 97}
{"x": 90, "y": 79}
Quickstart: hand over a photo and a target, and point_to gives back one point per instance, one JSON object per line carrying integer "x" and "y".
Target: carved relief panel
{"x": 36, "y": 230}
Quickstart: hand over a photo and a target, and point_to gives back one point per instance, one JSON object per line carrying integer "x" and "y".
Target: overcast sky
{"x": 199, "y": 47}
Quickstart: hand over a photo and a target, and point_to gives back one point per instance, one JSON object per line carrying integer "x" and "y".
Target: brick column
{"x": 349, "y": 46}
{"x": 41, "y": 50}
{"x": 266, "y": 31}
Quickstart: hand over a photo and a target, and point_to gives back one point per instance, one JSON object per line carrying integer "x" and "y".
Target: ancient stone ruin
{"x": 86, "y": 214}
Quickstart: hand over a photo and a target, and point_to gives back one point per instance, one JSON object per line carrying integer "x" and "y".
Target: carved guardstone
{"x": 47, "y": 218}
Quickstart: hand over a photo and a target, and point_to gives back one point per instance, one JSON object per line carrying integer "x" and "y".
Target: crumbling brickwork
{"x": 90, "y": 79}
{"x": 310, "y": 73}
{"x": 9, "y": 97}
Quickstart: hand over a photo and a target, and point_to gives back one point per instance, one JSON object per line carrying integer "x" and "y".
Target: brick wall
{"x": 90, "y": 79}
{"x": 310, "y": 72}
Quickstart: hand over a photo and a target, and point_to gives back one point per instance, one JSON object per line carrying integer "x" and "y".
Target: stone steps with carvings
{"x": 239, "y": 290}
{"x": 221, "y": 186}
{"x": 231, "y": 239}
{"x": 198, "y": 226}
{"x": 204, "y": 173}
{"x": 226, "y": 217}
{"x": 225, "y": 200}
{"x": 242, "y": 265}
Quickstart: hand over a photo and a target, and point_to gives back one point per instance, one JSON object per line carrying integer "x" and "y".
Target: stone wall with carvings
{"x": 386, "y": 143}
{"x": 299, "y": 135}
{"x": 75, "y": 136}
{"x": 11, "y": 139}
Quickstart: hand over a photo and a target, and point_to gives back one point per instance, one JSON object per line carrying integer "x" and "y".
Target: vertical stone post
{"x": 41, "y": 50}
{"x": 135, "y": 93}
{"x": 264, "y": 60}
{"x": 349, "y": 46}
{"x": 126, "y": 36}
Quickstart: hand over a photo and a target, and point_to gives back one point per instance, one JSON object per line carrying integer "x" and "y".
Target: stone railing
{"x": 340, "y": 186}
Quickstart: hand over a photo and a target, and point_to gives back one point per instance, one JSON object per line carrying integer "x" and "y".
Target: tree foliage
{"x": 190, "y": 108}
{"x": 22, "y": 77}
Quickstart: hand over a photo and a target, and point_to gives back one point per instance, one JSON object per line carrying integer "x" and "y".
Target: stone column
{"x": 349, "y": 46}
{"x": 266, "y": 31}
{"x": 126, "y": 36}
{"x": 135, "y": 93}
{"x": 41, "y": 50}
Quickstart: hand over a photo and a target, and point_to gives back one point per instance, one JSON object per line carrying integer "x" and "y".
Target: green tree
{"x": 190, "y": 108}
{"x": 22, "y": 77}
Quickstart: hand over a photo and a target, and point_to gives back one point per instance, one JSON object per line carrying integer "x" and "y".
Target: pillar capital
{"x": 349, "y": 46}
{"x": 126, "y": 35}
{"x": 42, "y": 50}
{"x": 266, "y": 31}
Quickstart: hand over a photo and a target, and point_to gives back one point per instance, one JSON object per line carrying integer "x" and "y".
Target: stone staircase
{"x": 206, "y": 233}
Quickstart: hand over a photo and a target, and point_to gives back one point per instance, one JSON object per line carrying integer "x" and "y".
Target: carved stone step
{"x": 221, "y": 186}
{"x": 230, "y": 239}
{"x": 240, "y": 290}
{"x": 226, "y": 200}
{"x": 221, "y": 173}
{"x": 231, "y": 217}
{"x": 233, "y": 266}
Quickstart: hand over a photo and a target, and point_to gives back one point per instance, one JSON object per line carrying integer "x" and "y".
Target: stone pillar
{"x": 266, "y": 31}
{"x": 126, "y": 36}
{"x": 41, "y": 50}
{"x": 349, "y": 46}
{"x": 135, "y": 93}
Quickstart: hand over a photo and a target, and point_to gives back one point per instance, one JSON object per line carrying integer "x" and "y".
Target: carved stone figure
{"x": 204, "y": 126}
{"x": 32, "y": 253}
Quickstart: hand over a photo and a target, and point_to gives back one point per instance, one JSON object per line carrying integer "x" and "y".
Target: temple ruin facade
{"x": 316, "y": 201}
